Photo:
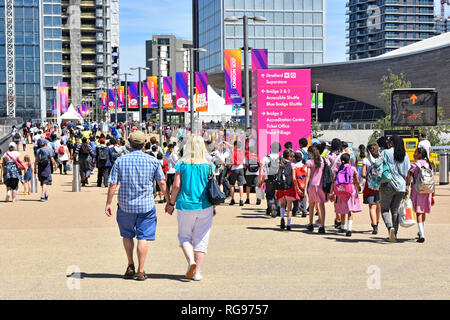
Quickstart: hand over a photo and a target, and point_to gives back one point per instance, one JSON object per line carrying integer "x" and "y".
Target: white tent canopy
{"x": 217, "y": 109}
{"x": 71, "y": 114}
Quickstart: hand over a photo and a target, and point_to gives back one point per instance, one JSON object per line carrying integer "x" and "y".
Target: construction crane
{"x": 443, "y": 3}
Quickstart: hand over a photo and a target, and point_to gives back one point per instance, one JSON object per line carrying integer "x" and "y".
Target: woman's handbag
{"x": 215, "y": 196}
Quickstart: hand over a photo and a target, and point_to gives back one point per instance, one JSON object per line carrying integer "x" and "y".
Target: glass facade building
{"x": 37, "y": 47}
{"x": 52, "y": 49}
{"x": 375, "y": 27}
{"x": 294, "y": 32}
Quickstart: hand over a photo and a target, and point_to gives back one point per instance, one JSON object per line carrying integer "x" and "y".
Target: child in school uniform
{"x": 346, "y": 189}
{"x": 422, "y": 202}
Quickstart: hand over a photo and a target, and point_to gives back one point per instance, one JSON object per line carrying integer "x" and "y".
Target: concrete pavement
{"x": 249, "y": 257}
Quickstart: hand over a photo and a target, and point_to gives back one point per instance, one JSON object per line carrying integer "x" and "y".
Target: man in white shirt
{"x": 172, "y": 160}
{"x": 425, "y": 143}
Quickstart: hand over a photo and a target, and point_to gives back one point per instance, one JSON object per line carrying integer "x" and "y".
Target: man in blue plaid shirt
{"x": 136, "y": 213}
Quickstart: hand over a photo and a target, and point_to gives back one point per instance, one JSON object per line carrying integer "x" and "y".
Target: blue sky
{"x": 139, "y": 20}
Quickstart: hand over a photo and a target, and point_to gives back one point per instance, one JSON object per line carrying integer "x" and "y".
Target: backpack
{"x": 305, "y": 155}
{"x": 216, "y": 160}
{"x": 374, "y": 174}
{"x": 61, "y": 150}
{"x": 115, "y": 154}
{"x": 272, "y": 166}
{"x": 300, "y": 176}
{"x": 327, "y": 178}
{"x": 103, "y": 154}
{"x": 43, "y": 160}
{"x": 253, "y": 164}
{"x": 165, "y": 166}
{"x": 425, "y": 180}
{"x": 343, "y": 185}
{"x": 17, "y": 136}
{"x": 284, "y": 180}
{"x": 84, "y": 149}
{"x": 388, "y": 168}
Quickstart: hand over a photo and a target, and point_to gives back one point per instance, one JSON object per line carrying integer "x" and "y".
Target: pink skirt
{"x": 347, "y": 205}
{"x": 316, "y": 195}
{"x": 421, "y": 202}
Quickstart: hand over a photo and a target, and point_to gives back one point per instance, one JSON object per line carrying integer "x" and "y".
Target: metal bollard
{"x": 443, "y": 168}
{"x": 76, "y": 185}
{"x": 34, "y": 184}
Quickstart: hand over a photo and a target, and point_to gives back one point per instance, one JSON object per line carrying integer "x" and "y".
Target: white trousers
{"x": 194, "y": 227}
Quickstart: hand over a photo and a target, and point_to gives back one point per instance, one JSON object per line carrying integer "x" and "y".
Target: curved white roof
{"x": 423, "y": 45}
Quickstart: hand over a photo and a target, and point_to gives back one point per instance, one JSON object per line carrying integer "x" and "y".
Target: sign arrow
{"x": 413, "y": 98}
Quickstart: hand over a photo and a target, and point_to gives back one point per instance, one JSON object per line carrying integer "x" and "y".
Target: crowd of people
{"x": 179, "y": 170}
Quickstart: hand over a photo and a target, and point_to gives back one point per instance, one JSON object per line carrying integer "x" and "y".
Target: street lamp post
{"x": 140, "y": 90}
{"x": 245, "y": 19}
{"x": 126, "y": 99}
{"x": 317, "y": 102}
{"x": 160, "y": 98}
{"x": 191, "y": 73}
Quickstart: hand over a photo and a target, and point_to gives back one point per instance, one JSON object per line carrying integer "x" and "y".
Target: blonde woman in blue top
{"x": 189, "y": 196}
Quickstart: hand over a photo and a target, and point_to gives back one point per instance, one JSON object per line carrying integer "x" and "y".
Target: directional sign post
{"x": 414, "y": 107}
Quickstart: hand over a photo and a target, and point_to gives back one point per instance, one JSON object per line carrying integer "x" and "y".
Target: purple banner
{"x": 259, "y": 59}
{"x": 111, "y": 99}
{"x": 133, "y": 96}
{"x": 182, "y": 92}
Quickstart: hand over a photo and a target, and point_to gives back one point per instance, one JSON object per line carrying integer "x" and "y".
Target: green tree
{"x": 315, "y": 129}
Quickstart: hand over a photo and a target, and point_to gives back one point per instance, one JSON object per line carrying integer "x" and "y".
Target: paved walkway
{"x": 249, "y": 257}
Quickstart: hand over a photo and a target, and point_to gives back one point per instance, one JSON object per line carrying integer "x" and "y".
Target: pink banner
{"x": 145, "y": 95}
{"x": 167, "y": 93}
{"x": 152, "y": 83}
{"x": 233, "y": 76}
{"x": 281, "y": 108}
{"x": 121, "y": 97}
{"x": 201, "y": 92}
{"x": 63, "y": 97}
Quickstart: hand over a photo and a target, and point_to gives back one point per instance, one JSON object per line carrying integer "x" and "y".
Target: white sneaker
{"x": 317, "y": 224}
{"x": 197, "y": 277}
{"x": 190, "y": 271}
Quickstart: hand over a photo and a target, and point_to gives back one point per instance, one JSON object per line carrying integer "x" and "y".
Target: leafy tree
{"x": 315, "y": 129}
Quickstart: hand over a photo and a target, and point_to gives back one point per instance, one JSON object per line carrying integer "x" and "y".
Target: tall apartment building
{"x": 442, "y": 24}
{"x": 294, "y": 32}
{"x": 375, "y": 27}
{"x": 90, "y": 47}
